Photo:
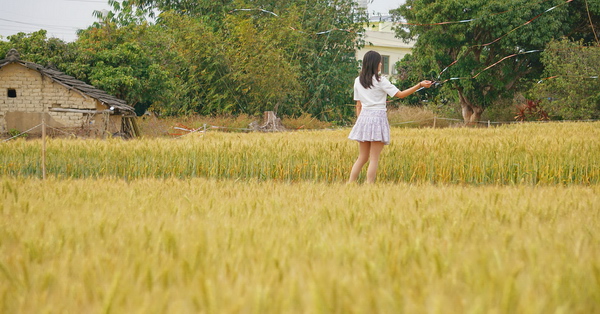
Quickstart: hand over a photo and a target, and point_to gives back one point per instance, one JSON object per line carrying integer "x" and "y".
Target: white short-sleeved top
{"x": 374, "y": 98}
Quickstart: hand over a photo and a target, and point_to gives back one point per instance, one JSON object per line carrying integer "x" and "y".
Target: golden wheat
{"x": 215, "y": 246}
{"x": 531, "y": 153}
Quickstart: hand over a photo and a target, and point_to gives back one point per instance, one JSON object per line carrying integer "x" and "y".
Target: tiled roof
{"x": 71, "y": 83}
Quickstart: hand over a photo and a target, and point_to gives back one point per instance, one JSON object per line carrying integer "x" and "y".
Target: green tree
{"x": 584, "y": 21}
{"x": 328, "y": 58}
{"x": 467, "y": 53}
{"x": 212, "y": 10}
{"x": 260, "y": 69}
{"x": 110, "y": 56}
{"x": 186, "y": 57}
{"x": 299, "y": 59}
{"x": 119, "y": 61}
{"x": 197, "y": 63}
{"x": 572, "y": 87}
{"x": 36, "y": 47}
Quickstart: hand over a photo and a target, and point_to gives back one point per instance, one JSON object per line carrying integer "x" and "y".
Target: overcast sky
{"x": 384, "y": 6}
{"x": 62, "y": 18}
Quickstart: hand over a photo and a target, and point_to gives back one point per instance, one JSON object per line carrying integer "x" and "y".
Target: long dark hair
{"x": 370, "y": 68}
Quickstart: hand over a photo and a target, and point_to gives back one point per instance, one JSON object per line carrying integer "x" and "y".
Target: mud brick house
{"x": 29, "y": 90}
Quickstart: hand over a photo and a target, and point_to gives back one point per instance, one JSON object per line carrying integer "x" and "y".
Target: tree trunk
{"x": 470, "y": 112}
{"x": 271, "y": 123}
{"x": 471, "y": 115}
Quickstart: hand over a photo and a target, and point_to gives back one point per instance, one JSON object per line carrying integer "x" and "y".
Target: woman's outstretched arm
{"x": 410, "y": 91}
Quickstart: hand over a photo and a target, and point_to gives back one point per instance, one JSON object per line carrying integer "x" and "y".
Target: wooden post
{"x": 43, "y": 146}
{"x": 434, "y": 121}
{"x": 43, "y": 130}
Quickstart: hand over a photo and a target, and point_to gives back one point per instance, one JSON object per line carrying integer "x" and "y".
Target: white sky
{"x": 62, "y": 18}
{"x": 384, "y": 6}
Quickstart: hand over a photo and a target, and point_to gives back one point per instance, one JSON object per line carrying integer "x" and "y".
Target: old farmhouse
{"x": 30, "y": 92}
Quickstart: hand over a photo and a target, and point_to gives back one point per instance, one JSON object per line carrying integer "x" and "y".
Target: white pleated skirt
{"x": 371, "y": 126}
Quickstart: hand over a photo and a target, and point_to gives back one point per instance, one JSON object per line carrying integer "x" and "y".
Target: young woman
{"x": 372, "y": 130}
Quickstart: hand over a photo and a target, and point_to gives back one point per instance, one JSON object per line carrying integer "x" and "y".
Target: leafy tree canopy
{"x": 212, "y": 57}
{"x": 492, "y": 49}
{"x": 38, "y": 48}
{"x": 290, "y": 56}
{"x": 571, "y": 87}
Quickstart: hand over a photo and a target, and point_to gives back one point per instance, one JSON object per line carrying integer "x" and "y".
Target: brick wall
{"x": 33, "y": 93}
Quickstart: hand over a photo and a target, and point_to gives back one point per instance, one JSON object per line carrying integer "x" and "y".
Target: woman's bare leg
{"x": 364, "y": 149}
{"x": 374, "y": 152}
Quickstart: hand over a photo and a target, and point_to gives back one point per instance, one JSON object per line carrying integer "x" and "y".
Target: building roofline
{"x": 70, "y": 83}
{"x": 386, "y": 39}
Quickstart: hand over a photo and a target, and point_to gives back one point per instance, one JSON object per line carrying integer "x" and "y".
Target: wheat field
{"x": 497, "y": 220}
{"x": 553, "y": 153}
{"x": 212, "y": 246}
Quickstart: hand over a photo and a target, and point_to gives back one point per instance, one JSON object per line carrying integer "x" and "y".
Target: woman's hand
{"x": 404, "y": 93}
{"x": 426, "y": 83}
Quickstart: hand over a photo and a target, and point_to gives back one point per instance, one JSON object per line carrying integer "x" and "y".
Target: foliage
{"x": 120, "y": 61}
{"x": 261, "y": 68}
{"x": 110, "y": 58}
{"x": 36, "y": 47}
{"x": 192, "y": 54}
{"x": 498, "y": 29}
{"x": 408, "y": 74}
{"x": 210, "y": 11}
{"x": 224, "y": 61}
{"x": 328, "y": 64}
{"x": 16, "y": 133}
{"x": 204, "y": 57}
{"x": 584, "y": 20}
{"x": 531, "y": 110}
{"x": 124, "y": 13}
{"x": 572, "y": 88}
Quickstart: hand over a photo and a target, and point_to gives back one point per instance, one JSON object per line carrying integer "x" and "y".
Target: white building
{"x": 380, "y": 36}
{"x": 363, "y": 3}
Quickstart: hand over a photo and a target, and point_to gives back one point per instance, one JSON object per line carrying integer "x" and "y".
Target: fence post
{"x": 434, "y": 121}
{"x": 43, "y": 145}
{"x": 43, "y": 103}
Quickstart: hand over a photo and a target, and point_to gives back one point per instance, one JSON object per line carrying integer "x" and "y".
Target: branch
{"x": 490, "y": 56}
{"x": 509, "y": 85}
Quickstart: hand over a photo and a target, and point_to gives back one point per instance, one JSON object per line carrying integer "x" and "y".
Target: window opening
{"x": 385, "y": 69}
{"x": 12, "y": 93}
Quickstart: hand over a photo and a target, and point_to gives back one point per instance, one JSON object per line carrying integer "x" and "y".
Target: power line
{"x": 88, "y": 1}
{"x": 14, "y": 30}
{"x": 40, "y": 25}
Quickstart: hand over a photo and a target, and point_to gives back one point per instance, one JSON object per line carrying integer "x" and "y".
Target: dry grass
{"x": 152, "y": 127}
{"x": 166, "y": 127}
{"x": 305, "y": 122}
{"x": 405, "y": 116}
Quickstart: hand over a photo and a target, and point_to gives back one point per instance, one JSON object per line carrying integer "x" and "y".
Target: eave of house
{"x": 386, "y": 39}
{"x": 71, "y": 83}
